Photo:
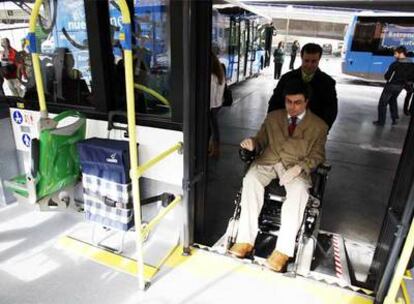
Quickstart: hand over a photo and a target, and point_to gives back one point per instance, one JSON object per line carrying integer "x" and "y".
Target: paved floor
{"x": 34, "y": 269}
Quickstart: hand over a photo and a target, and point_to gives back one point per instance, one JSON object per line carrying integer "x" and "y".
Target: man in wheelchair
{"x": 289, "y": 145}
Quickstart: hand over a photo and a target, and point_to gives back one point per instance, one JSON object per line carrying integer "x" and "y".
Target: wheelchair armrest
{"x": 319, "y": 177}
{"x": 323, "y": 169}
{"x": 247, "y": 156}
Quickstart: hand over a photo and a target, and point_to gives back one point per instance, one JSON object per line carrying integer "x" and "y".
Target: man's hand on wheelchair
{"x": 290, "y": 175}
{"x": 248, "y": 144}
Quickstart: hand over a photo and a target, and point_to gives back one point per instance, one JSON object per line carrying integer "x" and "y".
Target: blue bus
{"x": 69, "y": 33}
{"x": 242, "y": 40}
{"x": 370, "y": 42}
{"x": 67, "y": 38}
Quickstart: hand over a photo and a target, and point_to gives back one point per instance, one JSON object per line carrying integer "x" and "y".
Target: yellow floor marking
{"x": 104, "y": 257}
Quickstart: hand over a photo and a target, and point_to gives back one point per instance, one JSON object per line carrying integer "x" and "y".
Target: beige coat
{"x": 306, "y": 146}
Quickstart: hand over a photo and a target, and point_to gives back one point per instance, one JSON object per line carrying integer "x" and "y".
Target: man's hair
{"x": 296, "y": 86}
{"x": 401, "y": 49}
{"x": 311, "y": 48}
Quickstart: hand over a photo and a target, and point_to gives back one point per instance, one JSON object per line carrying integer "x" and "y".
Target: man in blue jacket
{"x": 321, "y": 87}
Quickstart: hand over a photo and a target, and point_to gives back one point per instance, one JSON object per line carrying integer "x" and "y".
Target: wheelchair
{"x": 270, "y": 218}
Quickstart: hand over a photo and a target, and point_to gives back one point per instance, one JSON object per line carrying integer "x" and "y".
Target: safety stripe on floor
{"x": 105, "y": 257}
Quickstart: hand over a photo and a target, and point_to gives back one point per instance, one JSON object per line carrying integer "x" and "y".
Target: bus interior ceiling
{"x": 364, "y": 158}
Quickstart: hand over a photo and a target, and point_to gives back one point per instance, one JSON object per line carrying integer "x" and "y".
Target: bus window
{"x": 370, "y": 42}
{"x": 64, "y": 55}
{"x": 239, "y": 40}
{"x": 364, "y": 37}
{"x": 151, "y": 56}
{"x": 382, "y": 35}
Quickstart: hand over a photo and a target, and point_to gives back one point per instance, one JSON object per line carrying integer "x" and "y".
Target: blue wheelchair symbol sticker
{"x": 18, "y": 117}
{"x": 26, "y": 140}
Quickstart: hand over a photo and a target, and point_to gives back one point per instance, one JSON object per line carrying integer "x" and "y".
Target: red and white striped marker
{"x": 337, "y": 256}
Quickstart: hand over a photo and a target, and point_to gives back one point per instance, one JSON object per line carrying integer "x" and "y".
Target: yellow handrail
{"x": 144, "y": 167}
{"x": 133, "y": 151}
{"x": 406, "y": 295}
{"x": 400, "y": 267}
{"x": 35, "y": 58}
{"x": 160, "y": 215}
{"x": 153, "y": 93}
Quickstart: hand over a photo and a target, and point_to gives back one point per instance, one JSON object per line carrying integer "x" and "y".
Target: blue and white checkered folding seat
{"x": 106, "y": 183}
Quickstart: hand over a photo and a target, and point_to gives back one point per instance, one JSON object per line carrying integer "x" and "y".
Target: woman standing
{"x": 293, "y": 52}
{"x": 278, "y": 58}
{"x": 216, "y": 100}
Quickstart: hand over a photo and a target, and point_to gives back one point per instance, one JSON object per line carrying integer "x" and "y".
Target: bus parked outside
{"x": 242, "y": 40}
{"x": 370, "y": 42}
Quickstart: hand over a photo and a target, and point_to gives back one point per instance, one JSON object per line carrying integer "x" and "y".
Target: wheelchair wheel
{"x": 233, "y": 225}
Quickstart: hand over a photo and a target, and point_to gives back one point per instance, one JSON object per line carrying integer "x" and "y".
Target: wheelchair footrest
{"x": 264, "y": 245}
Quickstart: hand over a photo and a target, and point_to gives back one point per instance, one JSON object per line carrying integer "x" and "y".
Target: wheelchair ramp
{"x": 256, "y": 267}
{"x": 329, "y": 260}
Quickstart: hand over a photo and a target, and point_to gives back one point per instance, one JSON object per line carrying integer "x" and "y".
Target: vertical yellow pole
{"x": 35, "y": 58}
{"x": 401, "y": 266}
{"x": 133, "y": 151}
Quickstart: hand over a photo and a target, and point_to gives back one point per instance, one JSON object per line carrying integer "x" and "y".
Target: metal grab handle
{"x": 70, "y": 113}
{"x": 113, "y": 126}
{"x": 152, "y": 93}
{"x": 144, "y": 167}
{"x": 109, "y": 202}
{"x": 147, "y": 228}
{"x": 246, "y": 155}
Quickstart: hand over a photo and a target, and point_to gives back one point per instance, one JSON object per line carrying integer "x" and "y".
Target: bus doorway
{"x": 362, "y": 158}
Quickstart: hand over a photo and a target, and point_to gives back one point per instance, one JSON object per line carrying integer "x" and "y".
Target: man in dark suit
{"x": 291, "y": 143}
{"x": 321, "y": 87}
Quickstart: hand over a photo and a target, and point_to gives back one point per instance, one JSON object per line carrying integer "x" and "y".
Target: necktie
{"x": 292, "y": 125}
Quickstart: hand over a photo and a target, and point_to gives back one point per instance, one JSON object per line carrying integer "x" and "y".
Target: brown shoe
{"x": 277, "y": 261}
{"x": 241, "y": 250}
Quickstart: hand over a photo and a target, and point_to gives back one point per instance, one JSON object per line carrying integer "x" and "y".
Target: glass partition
{"x": 151, "y": 55}
{"x": 62, "y": 44}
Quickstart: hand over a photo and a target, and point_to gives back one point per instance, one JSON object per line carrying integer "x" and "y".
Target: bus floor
{"x": 364, "y": 159}
{"x": 36, "y": 269}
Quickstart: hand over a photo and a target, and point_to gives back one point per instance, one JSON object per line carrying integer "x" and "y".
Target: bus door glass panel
{"x": 261, "y": 50}
{"x": 234, "y": 49}
{"x": 64, "y": 55}
{"x": 251, "y": 55}
{"x": 243, "y": 50}
{"x": 151, "y": 57}
{"x": 248, "y": 63}
{"x": 364, "y": 43}
{"x": 220, "y": 39}
{"x": 257, "y": 50}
